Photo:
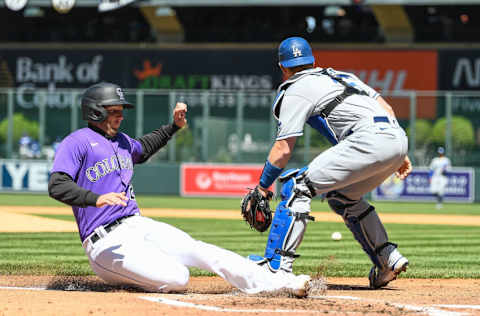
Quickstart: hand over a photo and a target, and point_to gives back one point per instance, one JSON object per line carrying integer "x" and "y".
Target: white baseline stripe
{"x": 429, "y": 310}
{"x": 220, "y": 309}
{"x": 22, "y": 288}
{"x": 424, "y": 309}
{"x": 353, "y": 298}
{"x": 458, "y": 306}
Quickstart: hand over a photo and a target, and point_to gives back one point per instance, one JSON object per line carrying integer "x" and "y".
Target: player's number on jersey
{"x": 131, "y": 191}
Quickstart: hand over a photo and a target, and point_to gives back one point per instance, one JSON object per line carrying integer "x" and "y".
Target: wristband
{"x": 269, "y": 174}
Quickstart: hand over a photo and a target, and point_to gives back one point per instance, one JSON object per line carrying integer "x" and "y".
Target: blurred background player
{"x": 24, "y": 146}
{"x": 29, "y": 148}
{"x": 35, "y": 149}
{"x": 438, "y": 176}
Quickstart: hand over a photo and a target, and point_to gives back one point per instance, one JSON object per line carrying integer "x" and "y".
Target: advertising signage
{"x": 459, "y": 70}
{"x": 387, "y": 71}
{"x": 460, "y": 187}
{"x": 218, "y": 179}
{"x": 24, "y": 175}
{"x": 220, "y": 69}
{"x": 216, "y": 69}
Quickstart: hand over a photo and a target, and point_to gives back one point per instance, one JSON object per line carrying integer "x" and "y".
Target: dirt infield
{"x": 21, "y": 219}
{"x": 212, "y": 296}
{"x": 53, "y": 295}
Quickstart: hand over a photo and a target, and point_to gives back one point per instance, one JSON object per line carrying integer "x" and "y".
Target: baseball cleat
{"x": 257, "y": 259}
{"x": 395, "y": 264}
{"x": 300, "y": 285}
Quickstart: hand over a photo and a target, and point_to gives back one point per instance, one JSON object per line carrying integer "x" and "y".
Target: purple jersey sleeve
{"x": 68, "y": 157}
{"x": 136, "y": 148}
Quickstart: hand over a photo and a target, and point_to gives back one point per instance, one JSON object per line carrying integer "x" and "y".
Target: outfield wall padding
{"x": 31, "y": 176}
{"x": 160, "y": 178}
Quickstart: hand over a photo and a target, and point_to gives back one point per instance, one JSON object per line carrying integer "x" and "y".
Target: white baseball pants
{"x": 438, "y": 185}
{"x": 155, "y": 256}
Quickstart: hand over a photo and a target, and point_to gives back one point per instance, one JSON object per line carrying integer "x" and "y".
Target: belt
{"x": 108, "y": 228}
{"x": 381, "y": 119}
{"x": 376, "y": 119}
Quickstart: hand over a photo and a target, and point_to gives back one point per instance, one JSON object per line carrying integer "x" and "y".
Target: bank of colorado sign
{"x": 218, "y": 179}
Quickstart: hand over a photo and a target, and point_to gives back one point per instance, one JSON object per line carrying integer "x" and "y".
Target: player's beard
{"x": 113, "y": 126}
{"x": 112, "y": 130}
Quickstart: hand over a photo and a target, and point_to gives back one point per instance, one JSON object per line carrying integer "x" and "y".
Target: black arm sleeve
{"x": 155, "y": 140}
{"x": 62, "y": 188}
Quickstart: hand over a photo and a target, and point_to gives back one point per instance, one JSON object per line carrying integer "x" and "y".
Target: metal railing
{"x": 235, "y": 126}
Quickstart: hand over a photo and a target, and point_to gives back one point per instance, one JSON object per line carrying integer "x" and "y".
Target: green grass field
{"x": 150, "y": 201}
{"x": 434, "y": 251}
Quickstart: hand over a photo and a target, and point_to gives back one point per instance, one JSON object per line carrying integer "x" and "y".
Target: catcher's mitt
{"x": 256, "y": 209}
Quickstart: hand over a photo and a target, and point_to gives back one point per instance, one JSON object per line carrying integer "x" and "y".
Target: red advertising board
{"x": 387, "y": 71}
{"x": 218, "y": 179}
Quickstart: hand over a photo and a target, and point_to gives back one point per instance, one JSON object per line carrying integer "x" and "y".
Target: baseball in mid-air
{"x": 336, "y": 236}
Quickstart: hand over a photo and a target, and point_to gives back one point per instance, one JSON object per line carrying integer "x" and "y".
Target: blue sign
{"x": 460, "y": 187}
{"x": 24, "y": 175}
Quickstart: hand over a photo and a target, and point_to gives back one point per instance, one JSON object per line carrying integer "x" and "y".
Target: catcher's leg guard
{"x": 363, "y": 221}
{"x": 289, "y": 222}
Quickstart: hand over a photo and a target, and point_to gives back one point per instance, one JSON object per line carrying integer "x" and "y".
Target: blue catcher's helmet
{"x": 295, "y": 51}
{"x": 441, "y": 150}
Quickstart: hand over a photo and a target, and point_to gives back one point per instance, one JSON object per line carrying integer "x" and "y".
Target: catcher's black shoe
{"x": 393, "y": 264}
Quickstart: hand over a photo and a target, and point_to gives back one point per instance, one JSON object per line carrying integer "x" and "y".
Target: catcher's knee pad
{"x": 362, "y": 220}
{"x": 288, "y": 227}
{"x": 295, "y": 184}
